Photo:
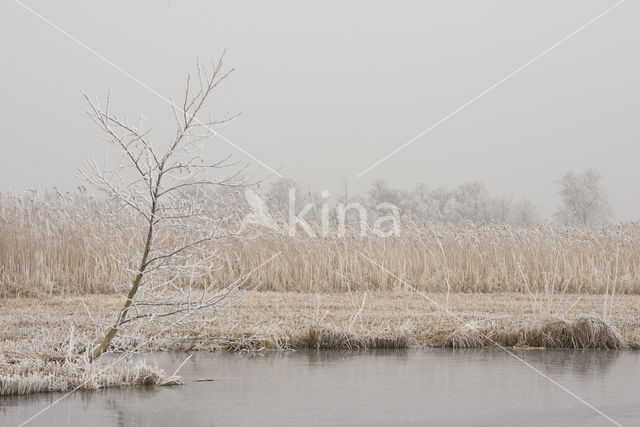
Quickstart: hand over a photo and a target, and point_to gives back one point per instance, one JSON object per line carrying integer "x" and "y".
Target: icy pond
{"x": 413, "y": 387}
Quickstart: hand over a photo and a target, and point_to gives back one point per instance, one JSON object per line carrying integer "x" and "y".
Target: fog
{"x": 328, "y": 89}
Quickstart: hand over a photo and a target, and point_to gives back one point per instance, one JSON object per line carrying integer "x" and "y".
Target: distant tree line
{"x": 583, "y": 202}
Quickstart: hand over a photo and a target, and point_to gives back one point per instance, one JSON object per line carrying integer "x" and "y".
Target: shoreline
{"x": 280, "y": 319}
{"x": 44, "y": 342}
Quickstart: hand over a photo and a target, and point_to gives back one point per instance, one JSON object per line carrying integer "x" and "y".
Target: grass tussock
{"x": 333, "y": 339}
{"x": 468, "y": 335}
{"x": 77, "y": 245}
{"x": 585, "y": 332}
{"x": 35, "y": 375}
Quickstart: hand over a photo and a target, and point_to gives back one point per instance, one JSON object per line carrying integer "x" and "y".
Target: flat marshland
{"x": 63, "y": 267}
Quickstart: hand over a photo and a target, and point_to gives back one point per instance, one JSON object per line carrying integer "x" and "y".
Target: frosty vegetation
{"x": 174, "y": 221}
{"x": 583, "y": 202}
{"x": 76, "y": 244}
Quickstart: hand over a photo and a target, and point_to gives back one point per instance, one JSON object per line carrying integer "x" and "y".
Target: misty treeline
{"x": 583, "y": 202}
{"x": 467, "y": 202}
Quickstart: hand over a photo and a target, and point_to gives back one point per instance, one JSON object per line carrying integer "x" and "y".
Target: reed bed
{"x": 76, "y": 245}
{"x": 453, "y": 258}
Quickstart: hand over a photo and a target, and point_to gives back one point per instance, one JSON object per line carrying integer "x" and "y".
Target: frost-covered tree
{"x": 443, "y": 201}
{"x": 381, "y": 192}
{"x": 277, "y": 197}
{"x": 421, "y": 204}
{"x": 499, "y": 210}
{"x": 285, "y": 191}
{"x": 525, "y": 212}
{"x": 350, "y": 208}
{"x": 584, "y": 199}
{"x": 175, "y": 221}
{"x": 471, "y": 202}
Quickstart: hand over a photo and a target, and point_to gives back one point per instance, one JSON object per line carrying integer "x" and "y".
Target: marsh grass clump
{"x": 326, "y": 338}
{"x": 31, "y": 375}
{"x": 585, "y": 332}
{"x": 593, "y": 332}
{"x": 467, "y": 335}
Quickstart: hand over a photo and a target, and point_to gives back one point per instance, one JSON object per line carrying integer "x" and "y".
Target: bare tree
{"x": 286, "y": 193}
{"x": 471, "y": 201}
{"x": 525, "y": 212}
{"x": 175, "y": 220}
{"x": 421, "y": 204}
{"x": 584, "y": 199}
{"x": 381, "y": 192}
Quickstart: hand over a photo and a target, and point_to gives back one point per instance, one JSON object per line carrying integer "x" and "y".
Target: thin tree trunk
{"x": 113, "y": 330}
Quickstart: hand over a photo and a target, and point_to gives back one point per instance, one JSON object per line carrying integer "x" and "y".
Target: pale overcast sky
{"x": 328, "y": 88}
